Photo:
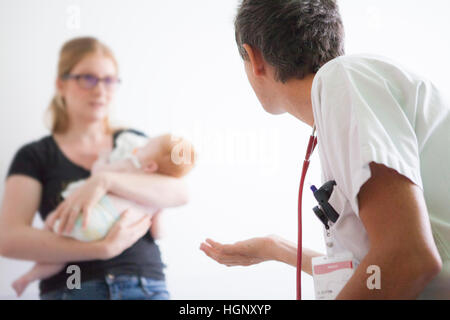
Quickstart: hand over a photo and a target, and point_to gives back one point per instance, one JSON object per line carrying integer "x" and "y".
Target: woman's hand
{"x": 242, "y": 253}
{"x": 124, "y": 233}
{"x": 81, "y": 201}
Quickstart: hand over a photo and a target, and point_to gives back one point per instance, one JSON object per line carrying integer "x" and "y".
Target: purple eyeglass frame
{"x": 93, "y": 78}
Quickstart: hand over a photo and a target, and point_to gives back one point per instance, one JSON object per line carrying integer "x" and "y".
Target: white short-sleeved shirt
{"x": 369, "y": 109}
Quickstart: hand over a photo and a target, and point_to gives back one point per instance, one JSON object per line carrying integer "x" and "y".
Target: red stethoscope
{"x": 311, "y": 146}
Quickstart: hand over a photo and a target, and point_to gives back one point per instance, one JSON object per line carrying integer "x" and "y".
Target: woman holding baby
{"x": 124, "y": 264}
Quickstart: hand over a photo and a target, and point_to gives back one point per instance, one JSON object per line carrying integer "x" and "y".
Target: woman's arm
{"x": 149, "y": 190}
{"x": 256, "y": 250}
{"x": 153, "y": 190}
{"x": 124, "y": 165}
{"x": 19, "y": 240}
{"x": 155, "y": 229}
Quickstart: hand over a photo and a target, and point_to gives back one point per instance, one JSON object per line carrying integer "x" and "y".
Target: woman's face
{"x": 85, "y": 103}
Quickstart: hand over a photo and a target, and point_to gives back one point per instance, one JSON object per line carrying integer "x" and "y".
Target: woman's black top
{"x": 44, "y": 161}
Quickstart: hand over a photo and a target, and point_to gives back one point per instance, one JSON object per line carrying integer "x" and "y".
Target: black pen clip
{"x": 322, "y": 217}
{"x": 325, "y": 211}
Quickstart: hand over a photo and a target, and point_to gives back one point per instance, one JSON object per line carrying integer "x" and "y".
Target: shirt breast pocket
{"x": 337, "y": 202}
{"x": 348, "y": 230}
{"x": 341, "y": 205}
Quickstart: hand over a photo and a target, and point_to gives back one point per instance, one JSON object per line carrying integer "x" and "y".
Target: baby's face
{"x": 150, "y": 151}
{"x": 154, "y": 153}
{"x": 156, "y": 156}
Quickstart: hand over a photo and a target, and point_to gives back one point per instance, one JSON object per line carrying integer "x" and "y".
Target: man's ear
{"x": 256, "y": 60}
{"x": 151, "y": 167}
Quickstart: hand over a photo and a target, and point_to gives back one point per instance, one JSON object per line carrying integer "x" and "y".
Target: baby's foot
{"x": 20, "y": 285}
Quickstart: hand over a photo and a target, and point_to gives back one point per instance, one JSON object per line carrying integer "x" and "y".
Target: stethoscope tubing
{"x": 309, "y": 151}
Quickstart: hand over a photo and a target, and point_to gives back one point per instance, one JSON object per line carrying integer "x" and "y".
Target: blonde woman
{"x": 126, "y": 264}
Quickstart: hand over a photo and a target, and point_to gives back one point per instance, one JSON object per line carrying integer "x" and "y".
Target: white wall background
{"x": 181, "y": 73}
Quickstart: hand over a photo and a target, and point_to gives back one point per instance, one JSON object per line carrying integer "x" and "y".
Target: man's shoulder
{"x": 370, "y": 66}
{"x": 366, "y": 73}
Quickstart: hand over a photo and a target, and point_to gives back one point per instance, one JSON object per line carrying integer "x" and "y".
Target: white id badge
{"x": 331, "y": 274}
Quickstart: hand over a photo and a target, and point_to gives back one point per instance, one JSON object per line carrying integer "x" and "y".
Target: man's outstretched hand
{"x": 242, "y": 253}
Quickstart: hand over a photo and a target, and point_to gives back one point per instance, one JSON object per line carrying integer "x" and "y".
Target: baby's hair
{"x": 177, "y": 156}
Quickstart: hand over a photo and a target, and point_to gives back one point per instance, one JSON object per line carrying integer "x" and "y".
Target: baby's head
{"x": 169, "y": 155}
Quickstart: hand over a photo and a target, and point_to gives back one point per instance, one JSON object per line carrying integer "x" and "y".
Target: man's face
{"x": 265, "y": 88}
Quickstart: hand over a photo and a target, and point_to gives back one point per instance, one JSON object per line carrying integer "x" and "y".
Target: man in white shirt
{"x": 383, "y": 136}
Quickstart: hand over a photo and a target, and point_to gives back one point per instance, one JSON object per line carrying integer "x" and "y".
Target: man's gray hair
{"x": 296, "y": 37}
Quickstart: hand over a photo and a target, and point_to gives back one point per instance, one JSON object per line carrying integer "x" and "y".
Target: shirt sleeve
{"x": 26, "y": 162}
{"x": 361, "y": 119}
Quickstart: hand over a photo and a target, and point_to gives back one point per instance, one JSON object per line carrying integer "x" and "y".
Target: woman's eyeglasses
{"x": 89, "y": 81}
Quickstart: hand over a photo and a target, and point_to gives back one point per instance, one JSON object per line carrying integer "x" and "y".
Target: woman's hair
{"x": 71, "y": 53}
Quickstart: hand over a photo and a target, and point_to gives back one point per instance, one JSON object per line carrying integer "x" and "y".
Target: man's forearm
{"x": 286, "y": 251}
{"x": 28, "y": 243}
{"x": 152, "y": 190}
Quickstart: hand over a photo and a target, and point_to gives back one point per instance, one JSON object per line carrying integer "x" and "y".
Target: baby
{"x": 133, "y": 154}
